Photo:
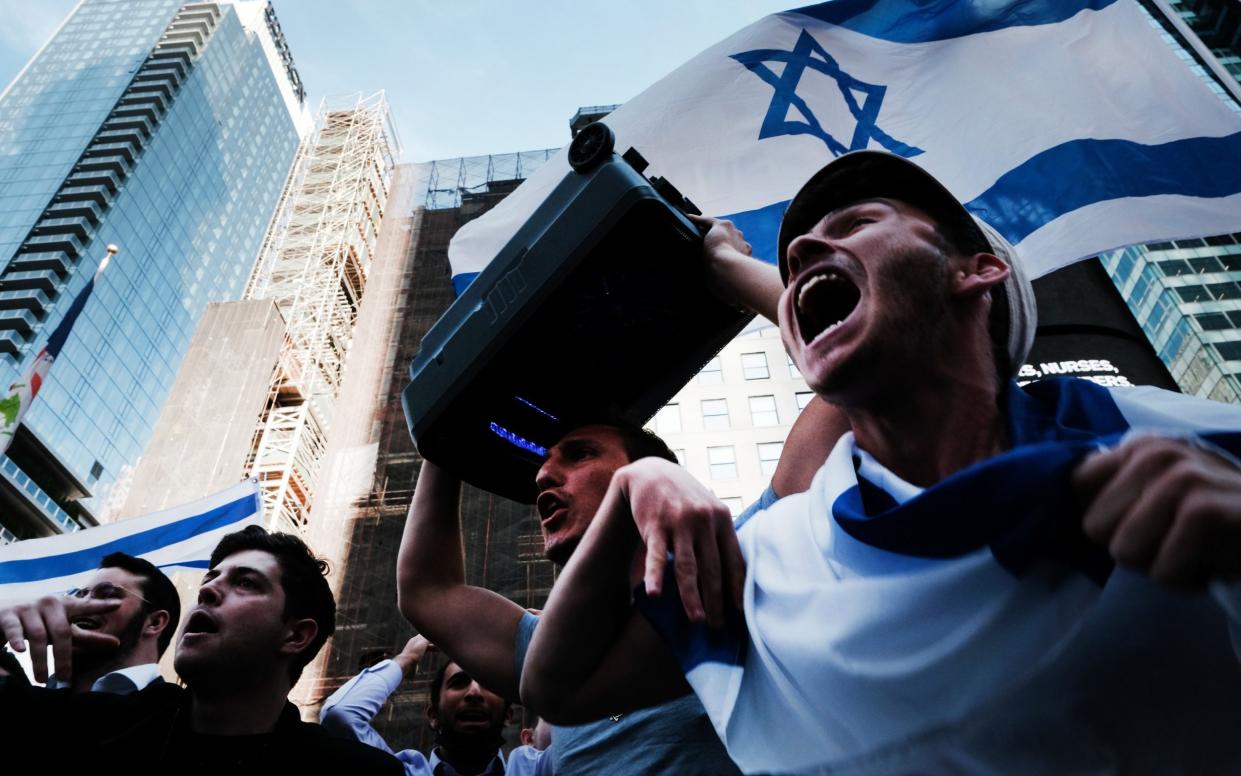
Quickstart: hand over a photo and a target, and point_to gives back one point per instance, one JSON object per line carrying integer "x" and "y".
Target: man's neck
{"x": 86, "y": 673}
{"x": 466, "y": 763}
{"x": 930, "y": 432}
{"x": 232, "y": 711}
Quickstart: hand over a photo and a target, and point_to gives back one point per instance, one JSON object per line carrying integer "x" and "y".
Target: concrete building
{"x": 169, "y": 129}
{"x": 370, "y": 466}
{"x": 728, "y": 424}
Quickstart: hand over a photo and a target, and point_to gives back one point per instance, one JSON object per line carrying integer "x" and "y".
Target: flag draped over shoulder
{"x": 180, "y": 538}
{"x": 1069, "y": 125}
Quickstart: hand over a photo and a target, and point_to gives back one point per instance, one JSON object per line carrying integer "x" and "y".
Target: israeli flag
{"x": 176, "y": 539}
{"x": 1068, "y": 125}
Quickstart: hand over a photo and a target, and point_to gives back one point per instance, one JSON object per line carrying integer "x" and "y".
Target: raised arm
{"x": 740, "y": 279}
{"x": 734, "y": 275}
{"x": 474, "y": 625}
{"x": 815, "y": 432}
{"x": 592, "y": 654}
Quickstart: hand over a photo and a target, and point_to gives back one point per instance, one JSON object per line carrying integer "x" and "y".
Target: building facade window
{"x": 769, "y": 456}
{"x": 734, "y": 504}
{"x": 803, "y": 398}
{"x": 714, "y": 414}
{"x": 1229, "y": 351}
{"x": 712, "y": 373}
{"x": 763, "y": 411}
{"x": 667, "y": 420}
{"x": 723, "y": 462}
{"x": 754, "y": 366}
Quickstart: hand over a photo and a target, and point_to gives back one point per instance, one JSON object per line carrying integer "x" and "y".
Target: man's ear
{"x": 155, "y": 623}
{"x": 527, "y": 736}
{"x": 978, "y": 274}
{"x": 298, "y": 635}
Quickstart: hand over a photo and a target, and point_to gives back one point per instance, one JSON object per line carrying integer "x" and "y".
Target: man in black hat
{"x": 943, "y": 596}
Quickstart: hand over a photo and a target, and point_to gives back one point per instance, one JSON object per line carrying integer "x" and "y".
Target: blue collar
{"x": 1017, "y": 503}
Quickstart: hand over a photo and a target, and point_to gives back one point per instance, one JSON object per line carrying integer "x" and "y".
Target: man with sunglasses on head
{"x": 119, "y": 624}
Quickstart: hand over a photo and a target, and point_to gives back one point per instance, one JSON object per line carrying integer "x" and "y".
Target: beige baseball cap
{"x": 869, "y": 174}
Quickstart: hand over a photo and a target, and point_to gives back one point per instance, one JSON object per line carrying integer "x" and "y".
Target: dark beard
{"x": 457, "y": 744}
{"x": 878, "y": 373}
{"x": 101, "y": 662}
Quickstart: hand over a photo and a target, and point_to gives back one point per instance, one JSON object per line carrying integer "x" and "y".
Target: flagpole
{"x": 16, "y": 401}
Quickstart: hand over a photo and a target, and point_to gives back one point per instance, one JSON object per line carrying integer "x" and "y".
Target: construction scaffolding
{"x": 448, "y": 183}
{"x": 370, "y": 468}
{"x": 314, "y": 265}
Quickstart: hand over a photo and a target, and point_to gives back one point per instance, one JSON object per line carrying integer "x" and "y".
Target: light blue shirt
{"x": 349, "y": 711}
{"x": 672, "y": 738}
{"x": 528, "y": 761}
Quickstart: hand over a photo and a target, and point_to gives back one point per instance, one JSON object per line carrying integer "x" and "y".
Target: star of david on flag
{"x": 863, "y": 99}
{"x": 1069, "y": 125}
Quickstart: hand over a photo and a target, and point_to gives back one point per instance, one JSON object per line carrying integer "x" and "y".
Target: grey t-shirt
{"x": 673, "y": 738}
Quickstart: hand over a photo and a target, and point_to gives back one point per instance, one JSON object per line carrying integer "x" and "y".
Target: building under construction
{"x": 371, "y": 464}
{"x": 314, "y": 266}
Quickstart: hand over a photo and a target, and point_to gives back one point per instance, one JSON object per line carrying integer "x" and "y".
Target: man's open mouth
{"x": 823, "y": 302}
{"x": 547, "y": 504}
{"x": 87, "y": 623}
{"x": 200, "y": 622}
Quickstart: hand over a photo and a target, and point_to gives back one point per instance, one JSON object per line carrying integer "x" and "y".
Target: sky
{"x": 466, "y": 77}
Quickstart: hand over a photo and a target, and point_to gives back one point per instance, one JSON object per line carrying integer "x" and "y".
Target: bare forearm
{"x": 733, "y": 274}
{"x": 816, "y": 431}
{"x": 474, "y": 626}
{"x": 431, "y": 557}
{"x": 749, "y": 282}
{"x": 587, "y": 608}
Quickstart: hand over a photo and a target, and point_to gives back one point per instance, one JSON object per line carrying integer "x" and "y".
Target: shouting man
{"x": 943, "y": 597}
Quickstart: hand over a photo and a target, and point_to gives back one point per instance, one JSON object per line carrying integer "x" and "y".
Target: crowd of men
{"x": 946, "y": 575}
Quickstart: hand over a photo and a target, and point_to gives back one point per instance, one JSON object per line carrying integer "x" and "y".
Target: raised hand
{"x": 49, "y": 620}
{"x": 1166, "y": 508}
{"x": 674, "y": 513}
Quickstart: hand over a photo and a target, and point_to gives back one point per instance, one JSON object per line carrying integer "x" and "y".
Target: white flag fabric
{"x": 176, "y": 539}
{"x": 1068, "y": 125}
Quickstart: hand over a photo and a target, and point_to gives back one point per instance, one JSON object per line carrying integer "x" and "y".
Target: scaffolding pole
{"x": 314, "y": 265}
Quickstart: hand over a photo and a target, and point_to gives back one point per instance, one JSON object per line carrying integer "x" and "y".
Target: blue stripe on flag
{"x": 692, "y": 643}
{"x": 189, "y": 564}
{"x": 761, "y": 228}
{"x": 915, "y": 21}
{"x": 53, "y": 566}
{"x": 462, "y": 282}
{"x": 1053, "y": 183}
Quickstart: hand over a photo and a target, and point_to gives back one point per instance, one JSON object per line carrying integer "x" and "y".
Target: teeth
{"x": 824, "y": 301}
{"x": 814, "y": 281}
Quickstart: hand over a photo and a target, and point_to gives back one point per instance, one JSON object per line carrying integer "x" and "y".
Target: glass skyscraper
{"x": 164, "y": 127}
{"x": 1186, "y": 295}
